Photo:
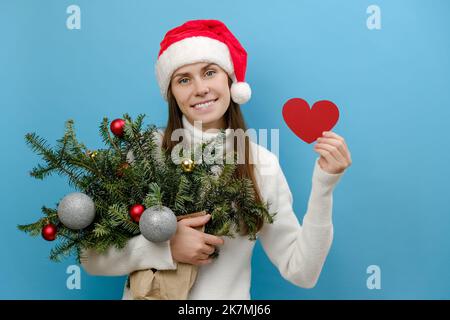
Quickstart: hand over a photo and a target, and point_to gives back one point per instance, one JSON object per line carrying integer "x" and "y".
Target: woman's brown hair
{"x": 234, "y": 120}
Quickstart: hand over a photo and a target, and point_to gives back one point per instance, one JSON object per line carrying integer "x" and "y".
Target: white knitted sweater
{"x": 297, "y": 250}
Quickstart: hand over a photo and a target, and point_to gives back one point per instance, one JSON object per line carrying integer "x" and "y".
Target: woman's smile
{"x": 204, "y": 104}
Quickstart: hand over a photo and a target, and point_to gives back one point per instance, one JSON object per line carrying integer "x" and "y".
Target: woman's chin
{"x": 204, "y": 118}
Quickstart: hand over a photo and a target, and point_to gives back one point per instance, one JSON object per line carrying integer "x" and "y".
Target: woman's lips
{"x": 204, "y": 105}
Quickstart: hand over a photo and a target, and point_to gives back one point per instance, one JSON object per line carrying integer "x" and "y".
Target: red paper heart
{"x": 308, "y": 124}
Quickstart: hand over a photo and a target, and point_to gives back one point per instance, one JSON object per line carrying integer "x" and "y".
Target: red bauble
{"x": 49, "y": 232}
{"x": 136, "y": 212}
{"x": 117, "y": 127}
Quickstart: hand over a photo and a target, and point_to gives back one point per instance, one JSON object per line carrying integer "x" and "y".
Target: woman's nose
{"x": 201, "y": 88}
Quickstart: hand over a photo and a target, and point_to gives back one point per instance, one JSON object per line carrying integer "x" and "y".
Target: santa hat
{"x": 203, "y": 41}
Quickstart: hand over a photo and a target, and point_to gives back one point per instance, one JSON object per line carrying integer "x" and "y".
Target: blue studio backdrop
{"x": 384, "y": 63}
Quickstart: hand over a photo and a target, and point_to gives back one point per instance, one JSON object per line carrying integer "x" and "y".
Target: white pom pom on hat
{"x": 240, "y": 92}
{"x": 203, "y": 41}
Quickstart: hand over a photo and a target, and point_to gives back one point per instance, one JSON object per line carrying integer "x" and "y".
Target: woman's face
{"x": 202, "y": 93}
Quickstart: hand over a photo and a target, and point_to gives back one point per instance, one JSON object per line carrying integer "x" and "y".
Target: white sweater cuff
{"x": 138, "y": 254}
{"x": 325, "y": 178}
{"x": 153, "y": 255}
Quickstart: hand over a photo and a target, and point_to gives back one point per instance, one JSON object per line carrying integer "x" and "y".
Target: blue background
{"x": 391, "y": 208}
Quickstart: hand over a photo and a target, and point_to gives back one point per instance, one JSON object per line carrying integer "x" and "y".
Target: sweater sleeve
{"x": 299, "y": 251}
{"x": 138, "y": 254}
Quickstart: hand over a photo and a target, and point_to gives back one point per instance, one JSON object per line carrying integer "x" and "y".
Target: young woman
{"x": 200, "y": 70}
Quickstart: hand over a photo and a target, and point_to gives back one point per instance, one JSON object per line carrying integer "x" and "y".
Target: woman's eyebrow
{"x": 185, "y": 74}
{"x": 207, "y": 66}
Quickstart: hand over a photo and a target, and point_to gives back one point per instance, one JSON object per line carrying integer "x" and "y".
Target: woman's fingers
{"x": 213, "y": 240}
{"x": 332, "y": 135}
{"x": 207, "y": 249}
{"x": 334, "y": 152}
{"x": 203, "y": 262}
{"x": 335, "y": 157}
{"x": 204, "y": 256}
{"x": 327, "y": 156}
{"x": 333, "y": 142}
{"x": 205, "y": 253}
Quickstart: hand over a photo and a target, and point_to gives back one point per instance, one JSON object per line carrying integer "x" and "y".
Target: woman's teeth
{"x": 204, "y": 105}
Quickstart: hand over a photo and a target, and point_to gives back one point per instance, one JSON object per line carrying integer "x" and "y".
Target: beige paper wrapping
{"x": 152, "y": 284}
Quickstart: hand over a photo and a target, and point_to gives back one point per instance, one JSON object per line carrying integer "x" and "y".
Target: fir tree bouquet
{"x": 134, "y": 187}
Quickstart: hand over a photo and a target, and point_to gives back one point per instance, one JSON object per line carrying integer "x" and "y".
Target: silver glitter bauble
{"x": 216, "y": 170}
{"x": 130, "y": 157}
{"x": 158, "y": 224}
{"x": 76, "y": 211}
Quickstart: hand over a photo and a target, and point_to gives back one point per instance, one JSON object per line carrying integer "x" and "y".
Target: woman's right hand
{"x": 189, "y": 245}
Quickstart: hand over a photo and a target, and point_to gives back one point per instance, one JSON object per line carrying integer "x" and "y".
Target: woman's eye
{"x": 210, "y": 73}
{"x": 183, "y": 81}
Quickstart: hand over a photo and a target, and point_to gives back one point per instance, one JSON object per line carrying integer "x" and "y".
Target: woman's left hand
{"x": 334, "y": 154}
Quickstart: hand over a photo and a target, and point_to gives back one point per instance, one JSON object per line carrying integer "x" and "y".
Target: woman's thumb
{"x": 197, "y": 221}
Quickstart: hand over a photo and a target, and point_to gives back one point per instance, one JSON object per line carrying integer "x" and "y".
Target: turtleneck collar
{"x": 198, "y": 136}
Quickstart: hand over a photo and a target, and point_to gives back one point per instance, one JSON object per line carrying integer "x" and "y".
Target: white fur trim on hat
{"x": 191, "y": 50}
{"x": 240, "y": 92}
